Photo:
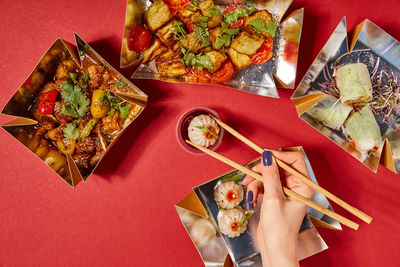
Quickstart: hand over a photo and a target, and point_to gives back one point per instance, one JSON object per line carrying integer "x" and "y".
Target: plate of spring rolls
{"x": 352, "y": 95}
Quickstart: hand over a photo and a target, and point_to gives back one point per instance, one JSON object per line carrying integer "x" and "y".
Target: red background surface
{"x": 124, "y": 214}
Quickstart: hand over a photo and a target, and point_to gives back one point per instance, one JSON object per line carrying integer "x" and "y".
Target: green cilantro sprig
{"x": 115, "y": 103}
{"x": 76, "y": 104}
{"x": 83, "y": 80}
{"x": 226, "y": 37}
{"x": 198, "y": 61}
{"x": 214, "y": 11}
{"x": 260, "y": 26}
{"x": 73, "y": 76}
{"x": 206, "y": 130}
{"x": 120, "y": 83}
{"x": 201, "y": 31}
{"x": 179, "y": 30}
{"x": 237, "y": 14}
{"x": 70, "y": 131}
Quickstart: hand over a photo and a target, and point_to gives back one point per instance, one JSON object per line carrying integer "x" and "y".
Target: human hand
{"x": 281, "y": 216}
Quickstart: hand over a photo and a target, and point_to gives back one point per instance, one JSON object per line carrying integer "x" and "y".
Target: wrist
{"x": 282, "y": 256}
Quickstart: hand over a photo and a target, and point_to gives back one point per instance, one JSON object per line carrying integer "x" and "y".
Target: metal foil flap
{"x": 22, "y": 105}
{"x": 262, "y": 79}
{"x": 213, "y": 246}
{"x": 379, "y": 52}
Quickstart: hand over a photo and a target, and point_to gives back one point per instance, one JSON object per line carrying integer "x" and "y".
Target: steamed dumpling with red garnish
{"x": 203, "y": 131}
{"x": 228, "y": 194}
{"x": 232, "y": 222}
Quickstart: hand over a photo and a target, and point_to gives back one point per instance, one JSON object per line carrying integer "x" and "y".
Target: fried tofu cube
{"x": 170, "y": 64}
{"x": 240, "y": 60}
{"x": 187, "y": 16}
{"x": 217, "y": 58}
{"x": 205, "y": 7}
{"x": 155, "y": 49}
{"x": 214, "y": 21}
{"x": 166, "y": 34}
{"x": 262, "y": 14}
{"x": 157, "y": 15}
{"x": 213, "y": 34}
{"x": 247, "y": 43}
{"x": 191, "y": 43}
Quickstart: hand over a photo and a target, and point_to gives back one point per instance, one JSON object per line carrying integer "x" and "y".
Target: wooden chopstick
{"x": 366, "y": 218}
{"x": 287, "y": 191}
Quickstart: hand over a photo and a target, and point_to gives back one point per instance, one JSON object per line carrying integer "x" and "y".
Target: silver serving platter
{"x": 258, "y": 79}
{"x": 379, "y": 51}
{"x": 242, "y": 250}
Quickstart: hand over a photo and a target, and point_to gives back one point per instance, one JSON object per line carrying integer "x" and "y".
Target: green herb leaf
{"x": 206, "y": 130}
{"x": 248, "y": 213}
{"x": 202, "y": 34}
{"x": 76, "y": 103}
{"x": 84, "y": 79}
{"x": 124, "y": 110}
{"x": 120, "y": 83}
{"x": 203, "y": 21}
{"x": 259, "y": 26}
{"x": 205, "y": 62}
{"x": 73, "y": 76}
{"x": 226, "y": 37}
{"x": 190, "y": 8}
{"x": 70, "y": 131}
{"x": 196, "y": 3}
{"x": 115, "y": 104}
{"x": 214, "y": 11}
{"x": 249, "y": 3}
{"x": 233, "y": 177}
{"x": 199, "y": 61}
{"x": 238, "y": 13}
{"x": 271, "y": 28}
{"x": 179, "y": 30}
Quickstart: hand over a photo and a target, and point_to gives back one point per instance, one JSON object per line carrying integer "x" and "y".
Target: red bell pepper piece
{"x": 47, "y": 102}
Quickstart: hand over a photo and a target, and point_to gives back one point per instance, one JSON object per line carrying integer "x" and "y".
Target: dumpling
{"x": 354, "y": 84}
{"x": 203, "y": 131}
{"x": 228, "y": 194}
{"x": 362, "y": 130}
{"x": 203, "y": 232}
{"x": 229, "y": 222}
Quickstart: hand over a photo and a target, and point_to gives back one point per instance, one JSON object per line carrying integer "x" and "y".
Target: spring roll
{"x": 362, "y": 131}
{"x": 330, "y": 112}
{"x": 354, "y": 84}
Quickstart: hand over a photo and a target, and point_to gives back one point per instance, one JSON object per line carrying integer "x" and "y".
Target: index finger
{"x": 294, "y": 159}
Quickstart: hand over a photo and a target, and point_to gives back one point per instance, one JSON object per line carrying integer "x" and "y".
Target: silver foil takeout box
{"x": 198, "y": 212}
{"x": 259, "y": 79}
{"x": 380, "y": 52}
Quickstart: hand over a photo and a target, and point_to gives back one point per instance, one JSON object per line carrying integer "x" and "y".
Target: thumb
{"x": 270, "y": 173}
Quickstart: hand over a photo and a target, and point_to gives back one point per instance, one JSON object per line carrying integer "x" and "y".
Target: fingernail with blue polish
{"x": 243, "y": 178}
{"x": 267, "y": 158}
{"x": 250, "y": 199}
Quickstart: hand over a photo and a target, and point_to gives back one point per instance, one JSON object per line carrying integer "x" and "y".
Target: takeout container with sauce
{"x": 23, "y": 126}
{"x": 279, "y": 71}
{"x": 199, "y": 211}
{"x": 379, "y": 52}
